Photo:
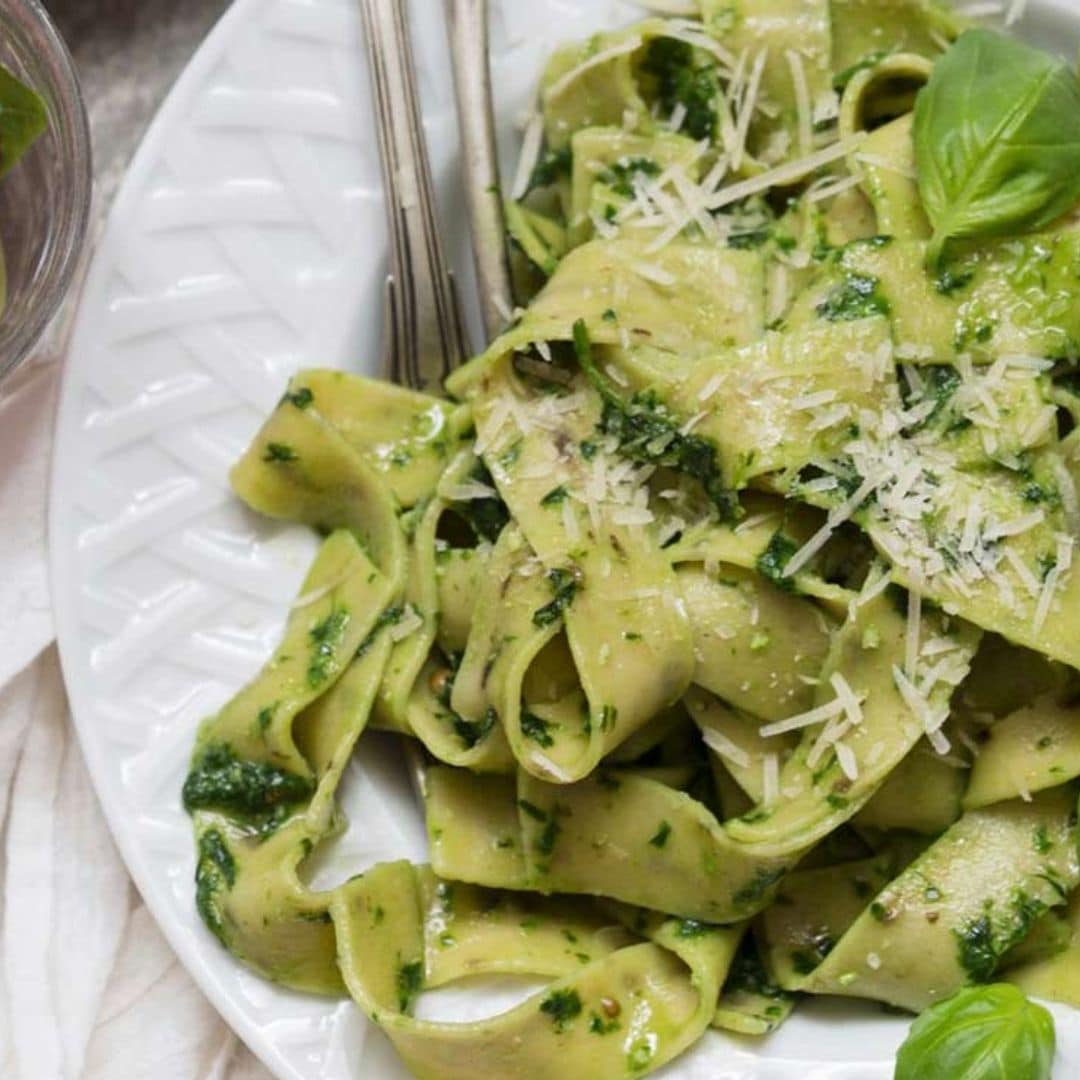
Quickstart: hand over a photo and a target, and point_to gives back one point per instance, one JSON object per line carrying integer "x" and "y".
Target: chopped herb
{"x": 301, "y": 397}
{"x": 532, "y": 810}
{"x": 555, "y": 496}
{"x": 610, "y": 316}
{"x": 976, "y": 946}
{"x": 949, "y": 281}
{"x": 265, "y": 717}
{"x": 473, "y": 732}
{"x": 620, "y": 176}
{"x": 552, "y": 166}
{"x": 536, "y": 728}
{"x": 215, "y": 873}
{"x": 219, "y": 780}
{"x": 410, "y": 979}
{"x": 679, "y": 81}
{"x": 599, "y": 1026}
{"x": 562, "y": 1006}
{"x": 545, "y": 842}
{"x": 859, "y": 297}
{"x": 649, "y": 435}
{"x": 778, "y": 553}
{"x": 758, "y": 888}
{"x": 325, "y": 638}
{"x": 661, "y": 836}
{"x": 279, "y": 453}
{"x": 564, "y": 584}
{"x": 391, "y": 616}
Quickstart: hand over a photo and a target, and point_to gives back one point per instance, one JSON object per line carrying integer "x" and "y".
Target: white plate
{"x": 248, "y": 242}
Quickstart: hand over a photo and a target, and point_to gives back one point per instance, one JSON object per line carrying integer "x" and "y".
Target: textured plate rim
{"x": 62, "y": 571}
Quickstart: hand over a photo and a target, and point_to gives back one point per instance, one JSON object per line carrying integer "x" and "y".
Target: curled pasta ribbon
{"x": 617, "y": 1007}
{"x": 597, "y": 836}
{"x": 951, "y": 917}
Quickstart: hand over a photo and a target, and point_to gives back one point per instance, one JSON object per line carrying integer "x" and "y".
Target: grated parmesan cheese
{"x": 805, "y": 123}
{"x": 783, "y": 174}
{"x": 725, "y": 747}
{"x": 770, "y": 778}
{"x": 531, "y": 146}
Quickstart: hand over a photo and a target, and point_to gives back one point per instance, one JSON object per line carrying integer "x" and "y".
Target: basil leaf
{"x": 997, "y": 140}
{"x": 23, "y": 117}
{"x": 982, "y": 1033}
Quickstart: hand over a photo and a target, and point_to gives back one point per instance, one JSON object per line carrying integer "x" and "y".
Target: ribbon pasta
{"x": 696, "y": 591}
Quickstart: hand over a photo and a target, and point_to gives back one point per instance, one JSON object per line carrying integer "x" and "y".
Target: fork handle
{"x": 426, "y": 337}
{"x": 468, "y": 27}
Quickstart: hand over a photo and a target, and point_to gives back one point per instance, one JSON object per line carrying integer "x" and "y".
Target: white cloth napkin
{"x": 88, "y": 986}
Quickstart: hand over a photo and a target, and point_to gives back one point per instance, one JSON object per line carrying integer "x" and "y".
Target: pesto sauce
{"x": 562, "y": 1006}
{"x": 215, "y": 872}
{"x": 410, "y": 981}
{"x": 325, "y": 638}
{"x": 648, "y": 434}
{"x": 621, "y": 175}
{"x": 859, "y": 296}
{"x": 279, "y": 453}
{"x": 757, "y": 890}
{"x": 487, "y": 517}
{"x": 564, "y": 585}
{"x": 680, "y": 81}
{"x": 747, "y": 974}
{"x": 660, "y": 838}
{"x": 777, "y": 554}
{"x": 536, "y": 728}
{"x": 219, "y": 780}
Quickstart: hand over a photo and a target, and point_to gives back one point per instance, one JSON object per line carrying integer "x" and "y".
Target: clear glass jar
{"x": 45, "y": 198}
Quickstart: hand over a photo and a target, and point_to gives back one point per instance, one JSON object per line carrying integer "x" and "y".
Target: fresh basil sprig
{"x": 997, "y": 140}
{"x": 981, "y": 1033}
{"x": 23, "y": 117}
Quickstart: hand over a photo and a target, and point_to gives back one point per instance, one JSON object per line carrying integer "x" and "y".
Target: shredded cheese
{"x": 725, "y": 747}
{"x": 805, "y": 123}
{"x": 531, "y": 146}
{"x": 784, "y": 174}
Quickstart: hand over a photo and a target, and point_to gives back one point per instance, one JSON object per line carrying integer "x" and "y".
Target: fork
{"x": 425, "y": 339}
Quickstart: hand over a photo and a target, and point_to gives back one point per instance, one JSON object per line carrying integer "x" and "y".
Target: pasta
{"x": 730, "y": 591}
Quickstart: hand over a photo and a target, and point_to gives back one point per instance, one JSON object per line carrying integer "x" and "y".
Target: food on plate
{"x": 730, "y": 591}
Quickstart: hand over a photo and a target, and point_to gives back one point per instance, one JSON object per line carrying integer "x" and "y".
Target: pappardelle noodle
{"x": 731, "y": 591}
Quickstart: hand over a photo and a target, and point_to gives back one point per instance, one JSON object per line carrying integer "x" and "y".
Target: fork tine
{"x": 468, "y": 26}
{"x": 425, "y": 337}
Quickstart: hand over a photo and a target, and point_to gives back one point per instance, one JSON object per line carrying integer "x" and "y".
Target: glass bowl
{"x": 45, "y": 198}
